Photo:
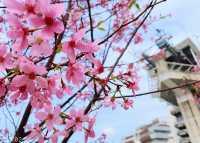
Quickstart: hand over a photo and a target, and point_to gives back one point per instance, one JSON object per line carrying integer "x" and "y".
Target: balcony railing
{"x": 164, "y": 66}
{"x": 180, "y": 67}
{"x": 185, "y": 140}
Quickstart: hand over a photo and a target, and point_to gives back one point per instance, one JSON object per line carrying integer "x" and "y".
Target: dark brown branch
{"x": 130, "y": 40}
{"x": 161, "y": 90}
{"x": 20, "y": 133}
{"x": 91, "y": 21}
{"x": 75, "y": 94}
{"x": 92, "y": 38}
{"x": 60, "y": 37}
{"x": 2, "y": 7}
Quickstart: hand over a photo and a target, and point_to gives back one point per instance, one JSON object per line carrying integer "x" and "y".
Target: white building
{"x": 155, "y": 132}
{"x": 173, "y": 70}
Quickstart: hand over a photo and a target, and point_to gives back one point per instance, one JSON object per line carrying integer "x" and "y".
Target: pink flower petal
{"x": 70, "y": 52}
{"x": 41, "y": 115}
{"x": 36, "y": 21}
{"x": 58, "y": 9}
{"x": 14, "y": 6}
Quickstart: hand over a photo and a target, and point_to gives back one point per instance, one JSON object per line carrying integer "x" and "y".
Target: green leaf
{"x": 99, "y": 23}
{"x": 131, "y": 4}
{"x": 59, "y": 48}
{"x": 137, "y": 6}
{"x": 101, "y": 28}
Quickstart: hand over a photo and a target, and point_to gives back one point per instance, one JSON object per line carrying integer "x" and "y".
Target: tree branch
{"x": 91, "y": 21}
{"x": 95, "y": 98}
{"x": 20, "y": 134}
{"x": 131, "y": 21}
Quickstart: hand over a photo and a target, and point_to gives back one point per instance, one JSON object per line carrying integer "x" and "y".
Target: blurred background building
{"x": 175, "y": 69}
{"x": 174, "y": 73}
{"x": 155, "y": 132}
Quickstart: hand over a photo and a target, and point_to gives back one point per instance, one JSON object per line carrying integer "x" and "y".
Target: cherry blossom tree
{"x": 57, "y": 57}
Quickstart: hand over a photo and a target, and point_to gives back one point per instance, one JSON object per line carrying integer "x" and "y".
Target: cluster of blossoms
{"x": 48, "y": 59}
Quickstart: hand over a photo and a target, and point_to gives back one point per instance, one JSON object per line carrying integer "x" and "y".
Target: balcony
{"x": 171, "y": 74}
{"x": 180, "y": 125}
{"x": 176, "y": 111}
{"x": 183, "y": 133}
{"x": 172, "y": 70}
{"x": 160, "y": 135}
{"x": 185, "y": 140}
{"x": 179, "y": 67}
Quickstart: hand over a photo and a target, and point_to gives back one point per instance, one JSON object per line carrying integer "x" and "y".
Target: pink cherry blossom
{"x": 39, "y": 100}
{"x": 48, "y": 21}
{"x": 14, "y": 6}
{"x": 5, "y": 58}
{"x": 26, "y": 83}
{"x": 110, "y": 102}
{"x": 196, "y": 68}
{"x": 98, "y": 68}
{"x": 75, "y": 73}
{"x": 127, "y": 104}
{"x": 18, "y": 33}
{"x": 119, "y": 50}
{"x": 30, "y": 76}
{"x": 20, "y": 89}
{"x": 50, "y": 115}
{"x": 89, "y": 132}
{"x": 40, "y": 47}
{"x": 36, "y": 134}
{"x": 55, "y": 58}
{"x": 60, "y": 92}
{"x": 52, "y": 84}
{"x": 76, "y": 43}
{"x": 2, "y": 91}
{"x": 138, "y": 38}
{"x": 84, "y": 95}
{"x": 27, "y": 7}
{"x": 56, "y": 135}
{"x": 76, "y": 119}
{"x": 68, "y": 90}
{"x": 131, "y": 75}
{"x": 133, "y": 85}
{"x": 30, "y": 70}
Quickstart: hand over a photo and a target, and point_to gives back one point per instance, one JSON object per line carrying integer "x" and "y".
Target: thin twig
{"x": 131, "y": 21}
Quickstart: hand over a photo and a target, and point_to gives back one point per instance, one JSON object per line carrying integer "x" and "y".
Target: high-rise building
{"x": 155, "y": 132}
{"x": 175, "y": 76}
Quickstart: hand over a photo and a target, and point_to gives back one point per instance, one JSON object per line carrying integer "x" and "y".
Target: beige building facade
{"x": 175, "y": 71}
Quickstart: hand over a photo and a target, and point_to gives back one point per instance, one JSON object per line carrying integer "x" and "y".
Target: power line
{"x": 161, "y": 90}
